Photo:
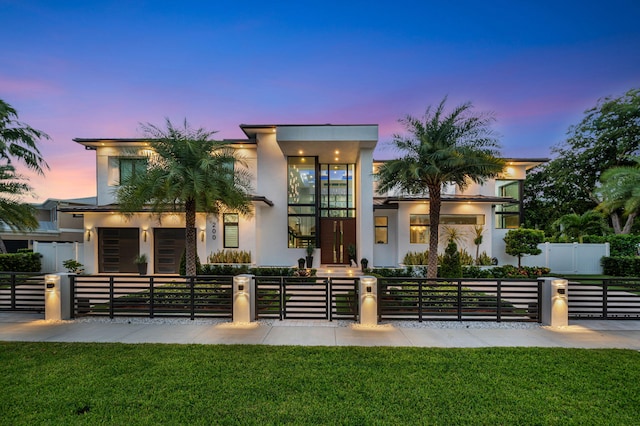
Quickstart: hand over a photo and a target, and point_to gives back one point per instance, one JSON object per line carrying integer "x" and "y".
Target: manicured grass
{"x": 58, "y": 383}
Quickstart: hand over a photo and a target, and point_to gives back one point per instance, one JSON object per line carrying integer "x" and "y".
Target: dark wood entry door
{"x": 168, "y": 249}
{"x": 335, "y": 236}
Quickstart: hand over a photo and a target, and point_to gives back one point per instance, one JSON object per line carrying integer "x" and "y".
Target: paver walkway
{"x": 579, "y": 334}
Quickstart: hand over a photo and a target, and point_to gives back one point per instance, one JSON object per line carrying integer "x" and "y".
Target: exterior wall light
{"x": 89, "y": 234}
{"x": 144, "y": 235}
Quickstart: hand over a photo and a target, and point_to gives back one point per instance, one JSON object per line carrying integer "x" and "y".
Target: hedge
{"x": 21, "y": 262}
{"x": 620, "y": 244}
{"x": 621, "y": 266}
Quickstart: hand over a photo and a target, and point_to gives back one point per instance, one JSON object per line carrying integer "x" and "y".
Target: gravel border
{"x": 339, "y": 323}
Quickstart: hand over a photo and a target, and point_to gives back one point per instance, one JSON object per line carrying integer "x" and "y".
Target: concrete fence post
{"x": 57, "y": 297}
{"x": 368, "y": 300}
{"x": 555, "y": 302}
{"x": 243, "y": 298}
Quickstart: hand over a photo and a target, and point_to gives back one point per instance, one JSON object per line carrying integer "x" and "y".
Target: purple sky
{"x": 98, "y": 69}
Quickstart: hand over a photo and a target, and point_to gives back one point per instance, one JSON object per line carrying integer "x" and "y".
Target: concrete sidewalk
{"x": 579, "y": 334}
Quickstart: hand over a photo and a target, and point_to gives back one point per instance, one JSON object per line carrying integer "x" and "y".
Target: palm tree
{"x": 577, "y": 226}
{"x": 18, "y": 141}
{"x": 188, "y": 172}
{"x": 458, "y": 148}
{"x": 621, "y": 191}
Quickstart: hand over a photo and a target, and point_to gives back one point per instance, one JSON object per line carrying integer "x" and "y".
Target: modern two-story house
{"x": 313, "y": 186}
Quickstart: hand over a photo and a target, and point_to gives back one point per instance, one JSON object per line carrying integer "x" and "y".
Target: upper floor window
{"x": 508, "y": 216}
{"x": 129, "y": 167}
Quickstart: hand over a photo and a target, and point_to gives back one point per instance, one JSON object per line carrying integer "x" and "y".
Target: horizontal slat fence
{"x": 459, "y": 300}
{"x": 611, "y": 298}
{"x": 152, "y": 296}
{"x": 307, "y": 298}
{"x": 20, "y": 291}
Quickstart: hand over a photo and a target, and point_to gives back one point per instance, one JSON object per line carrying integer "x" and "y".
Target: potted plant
{"x": 141, "y": 261}
{"x": 351, "y": 250}
{"x": 364, "y": 262}
{"x": 310, "y": 250}
{"x": 301, "y": 263}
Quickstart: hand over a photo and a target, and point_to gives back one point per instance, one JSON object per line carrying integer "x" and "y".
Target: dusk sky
{"x": 98, "y": 69}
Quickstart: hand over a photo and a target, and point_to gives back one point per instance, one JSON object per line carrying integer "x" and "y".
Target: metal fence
{"x": 21, "y": 291}
{"x": 152, "y": 296}
{"x": 459, "y": 300}
{"x": 612, "y": 298}
{"x": 307, "y": 298}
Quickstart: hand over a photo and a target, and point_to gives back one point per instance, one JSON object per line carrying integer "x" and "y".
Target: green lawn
{"x": 58, "y": 383}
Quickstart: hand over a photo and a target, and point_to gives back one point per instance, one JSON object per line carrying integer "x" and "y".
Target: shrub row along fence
{"x": 21, "y": 291}
{"x": 613, "y": 298}
{"x": 459, "y": 300}
{"x": 152, "y": 296}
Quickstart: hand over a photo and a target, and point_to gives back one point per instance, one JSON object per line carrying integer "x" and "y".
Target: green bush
{"x": 227, "y": 270}
{"x": 451, "y": 267}
{"x": 621, "y": 266}
{"x": 620, "y": 244}
{"x": 230, "y": 256}
{"x": 26, "y": 261}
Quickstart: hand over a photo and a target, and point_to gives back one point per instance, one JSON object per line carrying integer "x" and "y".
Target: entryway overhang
{"x": 331, "y": 143}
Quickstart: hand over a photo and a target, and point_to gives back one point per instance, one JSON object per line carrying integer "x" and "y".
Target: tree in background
{"x": 607, "y": 135}
{"x": 440, "y": 148}
{"x": 188, "y": 172}
{"x": 576, "y": 226}
{"x": 522, "y": 241}
{"x": 18, "y": 141}
{"x": 621, "y": 193}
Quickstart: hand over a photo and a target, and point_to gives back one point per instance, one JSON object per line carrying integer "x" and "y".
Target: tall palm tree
{"x": 18, "y": 141}
{"x": 577, "y": 226}
{"x": 188, "y": 171}
{"x": 621, "y": 191}
{"x": 440, "y": 148}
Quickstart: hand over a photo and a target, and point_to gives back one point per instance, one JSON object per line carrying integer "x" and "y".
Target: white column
{"x": 368, "y": 300}
{"x": 555, "y": 307}
{"x": 243, "y": 299}
{"x": 57, "y": 297}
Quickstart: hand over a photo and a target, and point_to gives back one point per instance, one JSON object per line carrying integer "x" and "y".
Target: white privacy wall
{"x": 569, "y": 258}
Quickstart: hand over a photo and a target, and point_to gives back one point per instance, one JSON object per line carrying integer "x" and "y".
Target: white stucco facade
{"x": 271, "y": 154}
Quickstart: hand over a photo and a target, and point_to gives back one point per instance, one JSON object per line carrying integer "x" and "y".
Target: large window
{"x": 337, "y": 190}
{"x": 131, "y": 167}
{"x": 419, "y": 224}
{"x": 231, "y": 230}
{"x": 381, "y": 229}
{"x": 508, "y": 216}
{"x": 301, "y": 199}
{"x": 419, "y": 228}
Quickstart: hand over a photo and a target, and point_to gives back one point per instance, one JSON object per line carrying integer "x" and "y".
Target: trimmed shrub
{"x": 451, "y": 266}
{"x": 25, "y": 261}
{"x": 621, "y": 266}
{"x": 230, "y": 256}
